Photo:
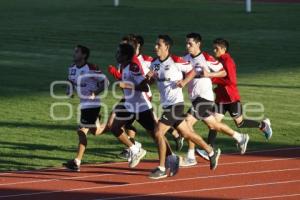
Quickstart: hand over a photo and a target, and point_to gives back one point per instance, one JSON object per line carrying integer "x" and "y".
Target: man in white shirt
{"x": 88, "y": 81}
{"x": 167, "y": 71}
{"x": 202, "y": 97}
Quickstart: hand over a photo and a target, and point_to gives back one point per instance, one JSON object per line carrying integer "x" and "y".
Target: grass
{"x": 37, "y": 38}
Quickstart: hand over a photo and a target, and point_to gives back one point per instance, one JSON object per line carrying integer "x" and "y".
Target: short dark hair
{"x": 140, "y": 40}
{"x": 85, "y": 51}
{"x": 167, "y": 40}
{"x": 127, "y": 50}
{"x": 196, "y": 36}
{"x": 128, "y": 37}
{"x": 222, "y": 42}
{"x": 131, "y": 39}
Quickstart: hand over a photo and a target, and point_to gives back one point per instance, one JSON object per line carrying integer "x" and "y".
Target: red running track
{"x": 265, "y": 174}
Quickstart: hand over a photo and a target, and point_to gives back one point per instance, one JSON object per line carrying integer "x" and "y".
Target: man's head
{"x": 124, "y": 53}
{"x": 221, "y": 46}
{"x": 130, "y": 39}
{"x": 81, "y": 54}
{"x": 193, "y": 43}
{"x": 163, "y": 45}
{"x": 140, "y": 42}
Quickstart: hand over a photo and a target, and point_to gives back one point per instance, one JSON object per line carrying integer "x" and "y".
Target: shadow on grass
{"x": 21, "y": 152}
{"x": 35, "y": 125}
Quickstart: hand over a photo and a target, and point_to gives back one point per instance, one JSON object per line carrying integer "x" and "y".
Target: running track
{"x": 264, "y": 174}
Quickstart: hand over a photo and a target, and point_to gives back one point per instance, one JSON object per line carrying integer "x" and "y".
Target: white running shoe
{"x": 242, "y": 146}
{"x": 187, "y": 162}
{"x": 136, "y": 158}
{"x": 202, "y": 154}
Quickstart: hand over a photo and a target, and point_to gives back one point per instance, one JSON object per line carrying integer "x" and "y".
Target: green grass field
{"x": 37, "y": 40}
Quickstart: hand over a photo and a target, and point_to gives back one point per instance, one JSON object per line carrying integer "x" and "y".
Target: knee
{"x": 116, "y": 130}
{"x": 130, "y": 127}
{"x": 215, "y": 126}
{"x": 82, "y": 136}
{"x": 186, "y": 134}
{"x": 239, "y": 124}
{"x": 158, "y": 135}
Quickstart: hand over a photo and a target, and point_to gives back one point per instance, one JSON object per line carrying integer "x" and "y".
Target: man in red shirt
{"x": 228, "y": 97}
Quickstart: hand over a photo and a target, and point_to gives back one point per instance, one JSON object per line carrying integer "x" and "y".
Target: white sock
{"x": 162, "y": 168}
{"x": 211, "y": 154}
{"x": 77, "y": 161}
{"x": 237, "y": 136}
{"x": 191, "y": 154}
{"x": 134, "y": 149}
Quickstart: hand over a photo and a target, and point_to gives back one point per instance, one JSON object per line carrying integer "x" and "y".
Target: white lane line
{"x": 202, "y": 190}
{"x": 265, "y": 150}
{"x": 118, "y": 163}
{"x": 63, "y": 179}
{"x": 273, "y": 197}
{"x": 129, "y": 172}
{"x": 150, "y": 182}
{"x": 58, "y": 168}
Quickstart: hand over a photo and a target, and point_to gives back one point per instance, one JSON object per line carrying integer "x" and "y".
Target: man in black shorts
{"x": 202, "y": 97}
{"x": 228, "y": 97}
{"x": 167, "y": 70}
{"x": 89, "y": 82}
{"x": 136, "y": 106}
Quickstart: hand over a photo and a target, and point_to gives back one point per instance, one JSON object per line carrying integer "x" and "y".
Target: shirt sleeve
{"x": 183, "y": 65}
{"x": 202, "y": 65}
{"x": 230, "y": 79}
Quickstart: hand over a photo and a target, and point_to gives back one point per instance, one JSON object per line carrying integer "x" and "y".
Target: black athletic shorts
{"x": 145, "y": 118}
{"x": 173, "y": 115}
{"x": 119, "y": 106}
{"x": 201, "y": 108}
{"x": 235, "y": 109}
{"x": 89, "y": 116}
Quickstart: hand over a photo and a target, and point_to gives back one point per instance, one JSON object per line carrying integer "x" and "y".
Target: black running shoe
{"x": 158, "y": 174}
{"x": 124, "y": 154}
{"x": 214, "y": 159}
{"x": 72, "y": 165}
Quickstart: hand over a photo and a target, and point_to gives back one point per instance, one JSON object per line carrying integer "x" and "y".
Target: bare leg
{"x": 213, "y": 123}
{"x": 82, "y": 133}
{"x": 191, "y": 121}
{"x": 189, "y": 134}
{"x": 160, "y": 132}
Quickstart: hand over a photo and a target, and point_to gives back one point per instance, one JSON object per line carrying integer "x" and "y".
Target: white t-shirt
{"x": 135, "y": 101}
{"x": 85, "y": 81}
{"x": 167, "y": 73}
{"x": 202, "y": 86}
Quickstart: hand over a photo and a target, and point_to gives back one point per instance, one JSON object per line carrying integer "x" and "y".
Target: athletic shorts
{"x": 120, "y": 107}
{"x": 89, "y": 116}
{"x": 173, "y": 115}
{"x": 201, "y": 108}
{"x": 145, "y": 118}
{"x": 235, "y": 109}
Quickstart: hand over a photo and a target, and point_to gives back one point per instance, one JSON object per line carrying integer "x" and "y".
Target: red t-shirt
{"x": 227, "y": 91}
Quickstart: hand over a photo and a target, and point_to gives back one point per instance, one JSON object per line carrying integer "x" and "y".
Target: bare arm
{"x": 187, "y": 79}
{"x": 219, "y": 74}
{"x": 142, "y": 87}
